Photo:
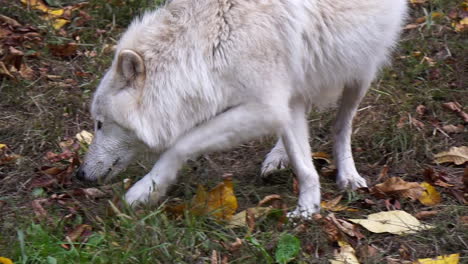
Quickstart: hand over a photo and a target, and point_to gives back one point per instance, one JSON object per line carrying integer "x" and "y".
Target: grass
{"x": 37, "y": 114}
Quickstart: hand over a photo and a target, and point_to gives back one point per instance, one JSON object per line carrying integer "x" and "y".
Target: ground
{"x": 401, "y": 124}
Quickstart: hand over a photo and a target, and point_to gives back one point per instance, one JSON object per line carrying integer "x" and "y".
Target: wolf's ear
{"x": 130, "y": 65}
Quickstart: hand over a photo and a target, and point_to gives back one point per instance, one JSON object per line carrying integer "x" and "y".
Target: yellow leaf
{"x": 54, "y": 15}
{"x": 239, "y": 219}
{"x": 446, "y": 259}
{"x": 84, "y": 137}
{"x": 345, "y": 255}
{"x": 437, "y": 14}
{"x": 36, "y": 4}
{"x": 4, "y": 260}
{"x": 462, "y": 25}
{"x": 2, "y": 146}
{"x": 59, "y": 23}
{"x": 430, "y": 195}
{"x": 219, "y": 202}
{"x": 457, "y": 155}
{"x": 396, "y": 222}
{"x": 418, "y": 1}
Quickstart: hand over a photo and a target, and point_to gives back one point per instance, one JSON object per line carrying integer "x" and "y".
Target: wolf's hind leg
{"x": 347, "y": 173}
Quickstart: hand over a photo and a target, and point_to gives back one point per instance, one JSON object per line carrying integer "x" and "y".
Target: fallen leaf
{"x": 345, "y": 255}
{"x": 463, "y": 220}
{"x": 334, "y": 206}
{"x": 59, "y": 17}
{"x": 79, "y": 231}
{"x": 220, "y": 202}
{"x": 268, "y": 199}
{"x": 430, "y": 195}
{"x": 322, "y": 156}
{"x": 439, "y": 178}
{"x": 6, "y": 155}
{"x": 417, "y": 123}
{"x": 345, "y": 226}
{"x": 411, "y": 26}
{"x": 457, "y": 108}
{"x": 457, "y": 155}
{"x": 38, "y": 209}
{"x": 453, "y": 129}
{"x": 214, "y": 257}
{"x": 462, "y": 25}
{"x": 383, "y": 175}
{"x": 398, "y": 187}
{"x": 63, "y": 50}
{"x": 425, "y": 214}
{"x": 445, "y": 259}
{"x": 366, "y": 252}
{"x": 287, "y": 249}
{"x": 234, "y": 246}
{"x": 240, "y": 219}
{"x": 418, "y": 1}
{"x": 4, "y": 260}
{"x": 396, "y": 222}
{"x": 330, "y": 229}
{"x": 421, "y": 110}
{"x": 84, "y": 137}
{"x": 452, "y": 106}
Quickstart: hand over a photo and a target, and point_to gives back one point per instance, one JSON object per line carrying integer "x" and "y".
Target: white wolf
{"x": 200, "y": 76}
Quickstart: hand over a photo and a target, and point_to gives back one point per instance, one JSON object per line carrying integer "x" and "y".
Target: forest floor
{"x": 414, "y": 110}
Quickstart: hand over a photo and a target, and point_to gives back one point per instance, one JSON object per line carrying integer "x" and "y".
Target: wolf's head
{"x": 116, "y": 101}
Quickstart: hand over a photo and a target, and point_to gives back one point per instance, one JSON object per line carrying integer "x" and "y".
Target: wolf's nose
{"x": 80, "y": 174}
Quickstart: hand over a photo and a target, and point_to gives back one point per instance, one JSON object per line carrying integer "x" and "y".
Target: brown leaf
{"x": 463, "y": 220}
{"x": 457, "y": 155}
{"x": 250, "y": 219}
{"x": 426, "y": 214}
{"x": 397, "y": 187}
{"x": 417, "y": 123}
{"x": 269, "y": 199}
{"x": 78, "y": 231}
{"x": 6, "y": 155}
{"x": 330, "y": 229}
{"x": 295, "y": 186}
{"x": 453, "y": 129}
{"x": 10, "y": 21}
{"x": 345, "y": 227}
{"x": 383, "y": 175}
{"x": 89, "y": 192}
{"x": 452, "y": 106}
{"x": 457, "y": 108}
{"x": 214, "y": 257}
{"x": 63, "y": 50}
{"x": 234, "y": 246}
{"x": 38, "y": 209}
{"x": 421, "y": 110}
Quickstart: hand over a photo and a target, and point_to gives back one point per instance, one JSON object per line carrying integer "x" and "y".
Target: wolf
{"x": 194, "y": 77}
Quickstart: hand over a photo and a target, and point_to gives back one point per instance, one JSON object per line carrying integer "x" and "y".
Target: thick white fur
{"x": 221, "y": 72}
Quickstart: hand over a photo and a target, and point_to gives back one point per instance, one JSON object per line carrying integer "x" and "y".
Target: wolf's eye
{"x": 99, "y": 125}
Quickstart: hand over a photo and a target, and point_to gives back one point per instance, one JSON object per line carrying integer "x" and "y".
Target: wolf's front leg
{"x": 228, "y": 129}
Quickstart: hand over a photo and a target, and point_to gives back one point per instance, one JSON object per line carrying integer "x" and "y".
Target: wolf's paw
{"x": 302, "y": 212}
{"x": 139, "y": 193}
{"x": 275, "y": 160}
{"x": 350, "y": 180}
